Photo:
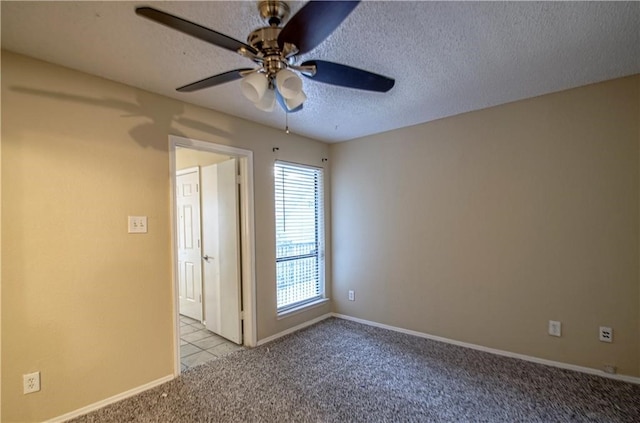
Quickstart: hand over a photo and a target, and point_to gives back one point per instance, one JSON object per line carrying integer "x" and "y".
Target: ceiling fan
{"x": 274, "y": 48}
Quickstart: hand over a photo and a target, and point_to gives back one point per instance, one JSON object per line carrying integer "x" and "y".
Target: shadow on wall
{"x": 162, "y": 115}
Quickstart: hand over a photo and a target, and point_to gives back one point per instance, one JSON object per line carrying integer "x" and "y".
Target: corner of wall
{"x": 0, "y": 259}
{"x": 638, "y": 123}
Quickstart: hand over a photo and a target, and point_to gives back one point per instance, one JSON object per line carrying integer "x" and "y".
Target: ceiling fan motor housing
{"x": 265, "y": 40}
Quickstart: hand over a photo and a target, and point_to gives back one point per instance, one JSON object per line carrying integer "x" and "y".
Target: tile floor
{"x": 198, "y": 345}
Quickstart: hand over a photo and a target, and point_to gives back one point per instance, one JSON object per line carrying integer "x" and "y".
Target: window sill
{"x": 302, "y": 308}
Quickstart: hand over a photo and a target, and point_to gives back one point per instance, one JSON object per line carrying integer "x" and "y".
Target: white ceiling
{"x": 447, "y": 57}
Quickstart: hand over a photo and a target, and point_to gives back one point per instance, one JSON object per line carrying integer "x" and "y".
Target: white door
{"x": 224, "y": 302}
{"x": 189, "y": 251}
{"x": 210, "y": 250}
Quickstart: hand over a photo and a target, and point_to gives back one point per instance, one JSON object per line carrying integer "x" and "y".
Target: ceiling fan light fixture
{"x": 289, "y": 84}
{"x": 254, "y": 86}
{"x": 294, "y": 103}
{"x": 268, "y": 101}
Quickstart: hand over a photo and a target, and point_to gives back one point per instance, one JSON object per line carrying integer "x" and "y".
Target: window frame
{"x": 319, "y": 232}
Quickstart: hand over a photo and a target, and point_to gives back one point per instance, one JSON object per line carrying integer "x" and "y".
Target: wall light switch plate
{"x": 137, "y": 224}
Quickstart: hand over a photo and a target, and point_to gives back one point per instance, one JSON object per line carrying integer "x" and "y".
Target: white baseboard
{"x": 589, "y": 370}
{"x": 97, "y": 405}
{"x": 294, "y": 329}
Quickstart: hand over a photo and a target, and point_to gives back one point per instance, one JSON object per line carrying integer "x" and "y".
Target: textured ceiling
{"x": 447, "y": 57}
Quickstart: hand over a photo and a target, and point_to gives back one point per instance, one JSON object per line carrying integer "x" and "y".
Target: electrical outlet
{"x": 31, "y": 382}
{"x": 555, "y": 328}
{"x": 352, "y": 295}
{"x": 606, "y": 334}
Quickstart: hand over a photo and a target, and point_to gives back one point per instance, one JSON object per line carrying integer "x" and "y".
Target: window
{"x": 299, "y": 235}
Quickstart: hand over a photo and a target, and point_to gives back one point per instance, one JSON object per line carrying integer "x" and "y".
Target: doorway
{"x": 213, "y": 240}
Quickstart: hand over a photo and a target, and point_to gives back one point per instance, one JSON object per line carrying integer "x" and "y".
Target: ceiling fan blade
{"x": 218, "y": 79}
{"x": 314, "y": 22}
{"x": 346, "y": 76}
{"x": 193, "y": 29}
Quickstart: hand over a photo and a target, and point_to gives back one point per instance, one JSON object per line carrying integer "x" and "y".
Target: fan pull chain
{"x": 286, "y": 122}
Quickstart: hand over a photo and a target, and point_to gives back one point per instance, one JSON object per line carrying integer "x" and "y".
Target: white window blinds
{"x": 299, "y": 234}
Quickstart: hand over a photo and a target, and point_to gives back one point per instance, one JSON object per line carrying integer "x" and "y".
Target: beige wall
{"x": 187, "y": 157}
{"x": 83, "y": 302}
{"x": 484, "y": 226}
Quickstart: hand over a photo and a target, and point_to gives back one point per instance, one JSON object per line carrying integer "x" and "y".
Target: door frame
{"x": 247, "y": 237}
